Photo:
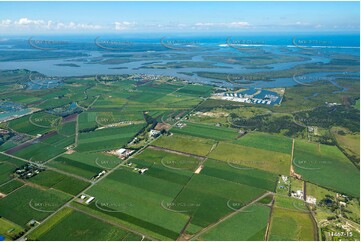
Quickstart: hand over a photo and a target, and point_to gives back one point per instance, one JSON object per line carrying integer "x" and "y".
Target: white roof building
{"x": 121, "y": 151}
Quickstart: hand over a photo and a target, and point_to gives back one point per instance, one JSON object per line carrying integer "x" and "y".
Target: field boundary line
{"x": 109, "y": 222}
{"x": 204, "y": 230}
{"x": 266, "y": 236}
{"x": 154, "y": 147}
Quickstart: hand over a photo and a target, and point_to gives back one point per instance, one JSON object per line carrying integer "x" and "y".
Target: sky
{"x": 173, "y": 17}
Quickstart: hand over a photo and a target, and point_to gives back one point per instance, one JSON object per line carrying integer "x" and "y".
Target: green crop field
{"x": 244, "y": 156}
{"x": 205, "y": 193}
{"x": 52, "y": 179}
{"x": 44, "y": 120}
{"x": 197, "y": 90}
{"x": 251, "y": 177}
{"x": 290, "y": 225}
{"x": 46, "y": 149}
{"x": 250, "y": 224}
{"x": 129, "y": 196}
{"x": 9, "y": 229}
{"x": 266, "y": 141}
{"x": 74, "y": 225}
{"x": 207, "y": 131}
{"x": 168, "y": 160}
{"x": 24, "y": 125}
{"x": 186, "y": 144}
{"x": 10, "y": 186}
{"x": 6, "y": 170}
{"x": 34, "y": 204}
{"x": 7, "y": 145}
{"x": 67, "y": 129}
{"x": 108, "y": 138}
{"x": 87, "y": 120}
{"x": 7, "y": 167}
{"x": 85, "y": 164}
{"x": 291, "y": 220}
{"x": 326, "y": 166}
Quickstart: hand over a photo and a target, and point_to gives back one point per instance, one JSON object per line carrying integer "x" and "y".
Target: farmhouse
{"x": 154, "y": 133}
{"x": 298, "y": 194}
{"x": 311, "y": 200}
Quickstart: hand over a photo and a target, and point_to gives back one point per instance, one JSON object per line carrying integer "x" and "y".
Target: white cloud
{"x": 239, "y": 24}
{"x": 39, "y": 24}
{"x": 123, "y": 25}
{"x": 26, "y": 21}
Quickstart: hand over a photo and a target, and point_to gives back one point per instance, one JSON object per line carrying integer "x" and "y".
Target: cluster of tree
{"x": 5, "y": 137}
{"x": 88, "y": 129}
{"x": 326, "y": 117}
{"x": 268, "y": 123}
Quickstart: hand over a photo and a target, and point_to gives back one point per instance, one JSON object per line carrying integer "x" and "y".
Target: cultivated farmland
{"x": 326, "y": 166}
{"x": 243, "y": 156}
